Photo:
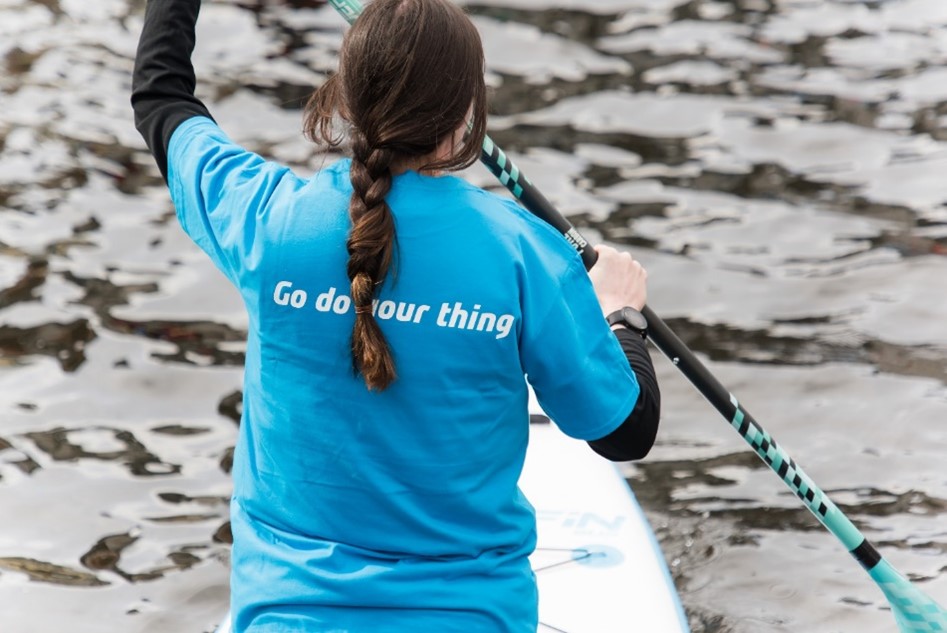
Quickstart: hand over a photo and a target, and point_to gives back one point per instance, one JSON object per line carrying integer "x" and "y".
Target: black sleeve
{"x": 163, "y": 81}
{"x": 635, "y": 437}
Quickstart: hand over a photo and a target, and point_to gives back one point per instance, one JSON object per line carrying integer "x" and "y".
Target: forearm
{"x": 163, "y": 81}
{"x": 635, "y": 436}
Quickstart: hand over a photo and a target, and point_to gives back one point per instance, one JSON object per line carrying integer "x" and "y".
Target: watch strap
{"x": 629, "y": 318}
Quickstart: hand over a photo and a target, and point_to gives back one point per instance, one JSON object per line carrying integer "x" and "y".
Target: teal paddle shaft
{"x": 914, "y": 611}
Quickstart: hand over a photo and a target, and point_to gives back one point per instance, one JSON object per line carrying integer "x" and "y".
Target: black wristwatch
{"x": 631, "y": 319}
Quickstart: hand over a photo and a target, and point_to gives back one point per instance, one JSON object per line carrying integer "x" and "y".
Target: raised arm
{"x": 163, "y": 81}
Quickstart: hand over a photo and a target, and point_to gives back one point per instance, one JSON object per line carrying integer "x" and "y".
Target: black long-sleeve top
{"x": 163, "y": 81}
{"x": 635, "y": 436}
{"x": 163, "y": 97}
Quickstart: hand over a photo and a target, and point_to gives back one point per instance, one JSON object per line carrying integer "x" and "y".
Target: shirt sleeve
{"x": 163, "y": 80}
{"x": 222, "y": 193}
{"x": 574, "y": 363}
{"x": 635, "y": 436}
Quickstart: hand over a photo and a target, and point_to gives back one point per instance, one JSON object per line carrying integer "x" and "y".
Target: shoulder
{"x": 196, "y": 129}
{"x": 198, "y": 145}
{"x": 200, "y": 148}
{"x": 335, "y": 175}
{"x": 534, "y": 239}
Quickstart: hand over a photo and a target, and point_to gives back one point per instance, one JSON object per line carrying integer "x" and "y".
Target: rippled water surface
{"x": 780, "y": 166}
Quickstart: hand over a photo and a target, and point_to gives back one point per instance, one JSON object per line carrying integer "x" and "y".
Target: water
{"x": 778, "y": 165}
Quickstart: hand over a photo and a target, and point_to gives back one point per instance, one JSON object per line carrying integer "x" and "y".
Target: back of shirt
{"x": 395, "y": 510}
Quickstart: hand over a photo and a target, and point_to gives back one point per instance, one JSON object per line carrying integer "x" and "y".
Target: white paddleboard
{"x": 597, "y": 562}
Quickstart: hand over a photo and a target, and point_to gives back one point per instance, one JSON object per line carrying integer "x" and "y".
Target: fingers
{"x": 622, "y": 260}
{"x": 618, "y": 279}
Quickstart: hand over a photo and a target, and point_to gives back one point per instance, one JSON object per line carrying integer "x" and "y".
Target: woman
{"x": 394, "y": 312}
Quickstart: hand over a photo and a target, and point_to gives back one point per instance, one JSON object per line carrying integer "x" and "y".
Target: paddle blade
{"x": 914, "y": 611}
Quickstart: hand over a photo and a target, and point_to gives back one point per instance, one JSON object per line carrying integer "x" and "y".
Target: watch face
{"x": 634, "y": 319}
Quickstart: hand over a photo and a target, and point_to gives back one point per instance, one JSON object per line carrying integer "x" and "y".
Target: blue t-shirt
{"x": 397, "y": 511}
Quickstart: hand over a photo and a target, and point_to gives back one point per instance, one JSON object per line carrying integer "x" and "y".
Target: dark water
{"x": 779, "y": 165}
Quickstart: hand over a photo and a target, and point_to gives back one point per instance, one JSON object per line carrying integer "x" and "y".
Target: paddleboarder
{"x": 396, "y": 315}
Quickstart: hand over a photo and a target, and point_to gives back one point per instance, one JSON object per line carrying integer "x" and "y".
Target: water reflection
{"x": 47, "y": 572}
{"x": 104, "y": 444}
{"x": 777, "y": 165}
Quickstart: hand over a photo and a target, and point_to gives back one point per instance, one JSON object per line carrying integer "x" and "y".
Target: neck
{"x": 416, "y": 163}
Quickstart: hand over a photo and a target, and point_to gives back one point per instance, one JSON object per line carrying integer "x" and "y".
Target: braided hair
{"x": 410, "y": 72}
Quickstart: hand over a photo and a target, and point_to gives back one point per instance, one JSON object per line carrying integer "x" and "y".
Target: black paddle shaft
{"x": 658, "y": 331}
{"x": 685, "y": 360}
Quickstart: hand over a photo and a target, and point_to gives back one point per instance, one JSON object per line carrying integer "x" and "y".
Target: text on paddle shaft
{"x": 450, "y": 314}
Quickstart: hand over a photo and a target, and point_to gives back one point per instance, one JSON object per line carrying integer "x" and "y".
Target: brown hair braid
{"x": 409, "y": 72}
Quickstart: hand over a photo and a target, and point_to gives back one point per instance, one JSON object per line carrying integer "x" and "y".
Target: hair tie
{"x": 363, "y": 309}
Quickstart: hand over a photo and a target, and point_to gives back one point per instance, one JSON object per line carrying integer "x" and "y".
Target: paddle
{"x": 914, "y": 611}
